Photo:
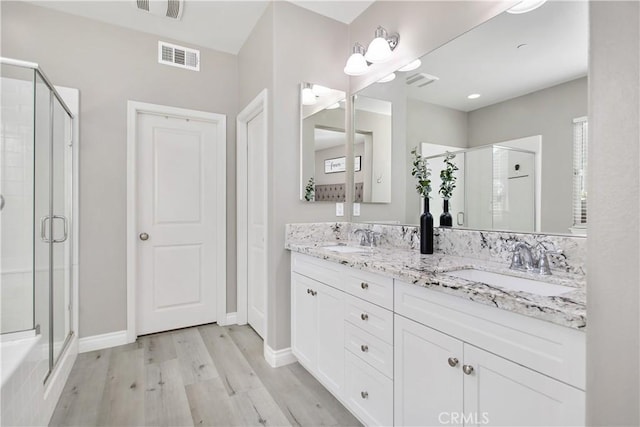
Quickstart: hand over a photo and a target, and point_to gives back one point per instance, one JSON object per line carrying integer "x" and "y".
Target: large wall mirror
{"x": 509, "y": 100}
{"x": 322, "y": 144}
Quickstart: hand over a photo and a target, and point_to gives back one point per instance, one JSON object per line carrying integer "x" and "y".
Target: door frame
{"x": 258, "y": 105}
{"x": 133, "y": 109}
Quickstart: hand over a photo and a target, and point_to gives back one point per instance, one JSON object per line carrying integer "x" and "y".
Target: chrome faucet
{"x": 523, "y": 258}
{"x": 367, "y": 237}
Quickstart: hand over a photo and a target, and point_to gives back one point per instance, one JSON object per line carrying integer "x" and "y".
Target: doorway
{"x": 252, "y": 125}
{"x": 176, "y": 224}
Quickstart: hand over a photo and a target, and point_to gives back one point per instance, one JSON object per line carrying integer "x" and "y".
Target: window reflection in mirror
{"x": 530, "y": 72}
{"x": 322, "y": 144}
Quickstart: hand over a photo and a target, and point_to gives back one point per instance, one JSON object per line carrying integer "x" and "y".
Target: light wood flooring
{"x": 203, "y": 376}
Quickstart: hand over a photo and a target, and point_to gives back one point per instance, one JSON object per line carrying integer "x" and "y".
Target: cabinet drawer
{"x": 329, "y": 273}
{"x": 368, "y": 393}
{"x": 551, "y": 349}
{"x": 370, "y": 287}
{"x": 372, "y": 350}
{"x": 370, "y": 317}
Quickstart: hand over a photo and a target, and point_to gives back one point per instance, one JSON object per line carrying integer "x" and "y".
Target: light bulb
{"x": 356, "y": 64}
{"x": 526, "y": 6}
{"x": 411, "y": 66}
{"x": 388, "y": 78}
{"x": 308, "y": 97}
{"x": 378, "y": 50}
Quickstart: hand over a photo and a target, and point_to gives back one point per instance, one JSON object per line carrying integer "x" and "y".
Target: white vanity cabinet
{"x": 400, "y": 354}
{"x": 442, "y": 380}
{"x": 317, "y": 330}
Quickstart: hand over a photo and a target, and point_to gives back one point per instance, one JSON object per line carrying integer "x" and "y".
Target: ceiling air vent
{"x": 178, "y": 56}
{"x": 421, "y": 79}
{"x": 167, "y": 8}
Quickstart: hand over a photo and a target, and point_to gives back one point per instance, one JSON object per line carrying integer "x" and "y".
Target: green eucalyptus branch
{"x": 421, "y": 173}
{"x": 309, "y": 190}
{"x": 447, "y": 176}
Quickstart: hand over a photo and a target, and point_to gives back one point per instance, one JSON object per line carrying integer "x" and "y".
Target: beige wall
{"x": 305, "y": 47}
{"x": 550, "y": 113}
{"x": 111, "y": 65}
{"x": 613, "y": 246}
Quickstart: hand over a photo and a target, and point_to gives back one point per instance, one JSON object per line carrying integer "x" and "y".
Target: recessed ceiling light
{"x": 474, "y": 96}
{"x": 411, "y": 66}
{"x": 526, "y": 6}
{"x": 388, "y": 78}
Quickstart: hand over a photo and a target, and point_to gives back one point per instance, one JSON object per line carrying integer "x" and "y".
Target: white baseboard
{"x": 277, "y": 358}
{"x": 99, "y": 342}
{"x": 231, "y": 319}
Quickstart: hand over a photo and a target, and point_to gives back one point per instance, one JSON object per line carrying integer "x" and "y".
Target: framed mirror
{"x": 322, "y": 144}
{"x": 509, "y": 98}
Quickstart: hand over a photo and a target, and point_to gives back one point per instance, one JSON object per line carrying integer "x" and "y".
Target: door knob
{"x": 467, "y": 369}
{"x": 453, "y": 362}
{"x": 144, "y": 236}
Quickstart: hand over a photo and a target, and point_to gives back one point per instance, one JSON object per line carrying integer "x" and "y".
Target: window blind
{"x": 580, "y": 141}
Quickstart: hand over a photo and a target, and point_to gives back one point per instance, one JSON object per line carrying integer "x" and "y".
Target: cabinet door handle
{"x": 308, "y": 290}
{"x": 364, "y": 285}
{"x": 364, "y": 316}
{"x": 467, "y": 369}
{"x": 314, "y": 293}
{"x": 364, "y": 348}
{"x": 453, "y": 362}
{"x": 364, "y": 394}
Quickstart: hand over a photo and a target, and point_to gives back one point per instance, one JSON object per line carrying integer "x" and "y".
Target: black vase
{"x": 446, "y": 220}
{"x": 426, "y": 230}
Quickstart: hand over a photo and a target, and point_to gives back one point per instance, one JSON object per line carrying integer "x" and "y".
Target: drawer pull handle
{"x": 364, "y": 316}
{"x": 467, "y": 369}
{"x": 364, "y": 394}
{"x": 364, "y": 348}
{"x": 364, "y": 285}
{"x": 453, "y": 362}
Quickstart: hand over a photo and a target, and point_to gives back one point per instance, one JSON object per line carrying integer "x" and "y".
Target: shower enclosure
{"x": 36, "y": 208}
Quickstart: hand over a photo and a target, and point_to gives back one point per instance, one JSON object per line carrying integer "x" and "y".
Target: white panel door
{"x": 502, "y": 393}
{"x": 176, "y": 223}
{"x": 256, "y": 227}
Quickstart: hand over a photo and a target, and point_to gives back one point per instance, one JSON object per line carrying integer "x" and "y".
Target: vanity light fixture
{"x": 526, "y": 6}
{"x": 387, "y": 78}
{"x": 411, "y": 66}
{"x": 381, "y": 46}
{"x": 474, "y": 96}
{"x": 308, "y": 97}
{"x": 356, "y": 64}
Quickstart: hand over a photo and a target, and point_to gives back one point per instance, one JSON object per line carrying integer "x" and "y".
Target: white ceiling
{"x": 218, "y": 25}
{"x": 340, "y": 10}
{"x": 326, "y": 138}
{"x": 487, "y": 60}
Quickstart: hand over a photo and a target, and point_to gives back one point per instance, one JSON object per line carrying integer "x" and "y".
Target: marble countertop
{"x": 410, "y": 266}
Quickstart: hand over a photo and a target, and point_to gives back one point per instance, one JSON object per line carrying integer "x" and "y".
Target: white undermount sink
{"x": 345, "y": 249}
{"x": 511, "y": 282}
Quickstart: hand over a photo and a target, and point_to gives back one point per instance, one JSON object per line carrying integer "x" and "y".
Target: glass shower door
{"x": 60, "y": 223}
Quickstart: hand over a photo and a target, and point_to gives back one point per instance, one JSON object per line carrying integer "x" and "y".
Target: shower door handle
{"x": 43, "y": 229}
{"x": 66, "y": 228}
